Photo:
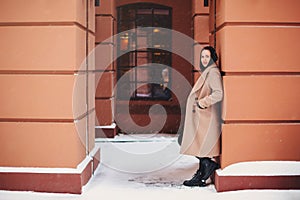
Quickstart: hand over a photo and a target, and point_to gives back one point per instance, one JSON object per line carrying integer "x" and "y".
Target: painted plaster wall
{"x": 43, "y": 109}
{"x": 258, "y": 45}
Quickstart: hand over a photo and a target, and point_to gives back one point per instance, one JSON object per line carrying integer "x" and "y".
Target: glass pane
{"x": 161, "y": 39}
{"x": 127, "y": 41}
{"x": 144, "y": 11}
{"x": 161, "y": 90}
{"x": 130, "y": 74}
{"x": 126, "y": 13}
{"x": 142, "y": 42}
{"x": 161, "y": 12}
{"x": 123, "y": 60}
{"x": 156, "y": 72}
{"x": 143, "y": 74}
{"x": 131, "y": 40}
{"x": 131, "y": 14}
{"x": 161, "y": 57}
{"x": 124, "y": 42}
{"x": 143, "y": 58}
{"x": 125, "y": 89}
{"x": 158, "y": 92}
{"x": 127, "y": 59}
{"x": 161, "y": 21}
{"x": 144, "y": 39}
{"x": 144, "y": 20}
{"x": 126, "y": 25}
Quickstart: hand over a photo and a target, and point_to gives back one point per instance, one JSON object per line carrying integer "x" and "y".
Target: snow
{"x": 76, "y": 170}
{"x": 112, "y": 126}
{"x": 262, "y": 168}
{"x": 148, "y": 167}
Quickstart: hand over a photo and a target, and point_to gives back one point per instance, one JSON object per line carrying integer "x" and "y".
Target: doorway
{"x": 142, "y": 65}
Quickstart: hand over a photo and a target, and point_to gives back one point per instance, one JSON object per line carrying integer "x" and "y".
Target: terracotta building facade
{"x": 55, "y": 102}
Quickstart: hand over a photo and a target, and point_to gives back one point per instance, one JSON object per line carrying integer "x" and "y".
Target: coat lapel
{"x": 201, "y": 80}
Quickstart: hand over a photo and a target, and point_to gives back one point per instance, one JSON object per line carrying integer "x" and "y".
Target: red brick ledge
{"x": 56, "y": 180}
{"x": 239, "y": 181}
{"x": 231, "y": 183}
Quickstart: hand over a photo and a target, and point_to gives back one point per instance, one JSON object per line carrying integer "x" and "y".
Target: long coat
{"x": 202, "y": 127}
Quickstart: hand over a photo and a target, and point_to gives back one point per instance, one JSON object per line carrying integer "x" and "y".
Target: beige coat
{"x": 202, "y": 127}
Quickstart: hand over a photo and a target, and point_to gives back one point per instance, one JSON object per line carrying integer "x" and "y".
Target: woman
{"x": 202, "y": 126}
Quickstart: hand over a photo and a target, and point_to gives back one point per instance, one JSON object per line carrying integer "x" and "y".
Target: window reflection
{"x": 134, "y": 45}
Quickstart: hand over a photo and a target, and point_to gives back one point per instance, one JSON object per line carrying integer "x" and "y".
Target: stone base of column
{"x": 259, "y": 175}
{"x": 53, "y": 180}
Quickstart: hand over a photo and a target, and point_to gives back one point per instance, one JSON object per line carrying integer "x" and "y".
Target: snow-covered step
{"x": 259, "y": 175}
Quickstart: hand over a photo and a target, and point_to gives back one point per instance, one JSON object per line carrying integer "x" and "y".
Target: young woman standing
{"x": 202, "y": 126}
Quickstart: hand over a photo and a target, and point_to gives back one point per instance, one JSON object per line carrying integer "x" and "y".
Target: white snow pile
{"x": 262, "y": 168}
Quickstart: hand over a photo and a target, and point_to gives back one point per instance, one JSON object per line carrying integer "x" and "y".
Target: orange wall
{"x": 200, "y": 32}
{"x": 43, "y": 114}
{"x": 43, "y": 118}
{"x": 260, "y": 142}
{"x": 258, "y": 44}
{"x": 105, "y": 79}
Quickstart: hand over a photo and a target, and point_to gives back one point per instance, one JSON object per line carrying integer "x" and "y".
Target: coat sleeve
{"x": 215, "y": 83}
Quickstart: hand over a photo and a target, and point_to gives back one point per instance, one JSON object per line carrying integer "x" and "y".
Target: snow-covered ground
{"x": 147, "y": 167}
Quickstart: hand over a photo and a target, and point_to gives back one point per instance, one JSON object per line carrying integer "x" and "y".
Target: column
{"x": 44, "y": 145}
{"x": 200, "y": 11}
{"x": 258, "y": 44}
{"x": 105, "y": 75}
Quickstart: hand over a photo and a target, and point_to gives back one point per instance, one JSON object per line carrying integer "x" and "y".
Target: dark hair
{"x": 213, "y": 55}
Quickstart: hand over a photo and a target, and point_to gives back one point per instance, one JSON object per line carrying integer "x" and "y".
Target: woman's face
{"x": 205, "y": 57}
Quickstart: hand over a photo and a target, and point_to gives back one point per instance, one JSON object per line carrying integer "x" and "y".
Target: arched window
{"x": 136, "y": 57}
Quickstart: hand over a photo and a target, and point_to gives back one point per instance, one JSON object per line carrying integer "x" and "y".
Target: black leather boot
{"x": 196, "y": 180}
{"x": 209, "y": 167}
